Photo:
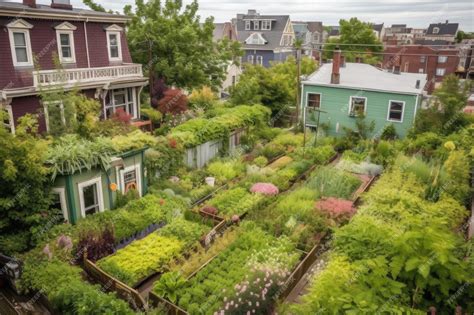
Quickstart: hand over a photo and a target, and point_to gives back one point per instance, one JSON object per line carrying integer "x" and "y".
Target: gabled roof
{"x": 273, "y": 36}
{"x": 444, "y": 28}
{"x": 377, "y": 27}
{"x": 15, "y": 9}
{"x": 315, "y": 27}
{"x": 218, "y": 32}
{"x": 362, "y": 76}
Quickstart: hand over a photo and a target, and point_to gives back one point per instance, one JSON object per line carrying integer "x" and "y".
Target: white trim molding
{"x": 100, "y": 197}
{"x": 65, "y": 26}
{"x": 62, "y": 199}
{"x": 70, "y": 34}
{"x": 389, "y": 109}
{"x": 350, "y": 103}
{"x": 118, "y": 35}
{"x": 20, "y": 26}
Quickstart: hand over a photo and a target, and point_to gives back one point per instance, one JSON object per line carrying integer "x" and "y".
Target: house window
{"x": 357, "y": 105}
{"x": 395, "y": 111}
{"x": 407, "y": 64}
{"x": 255, "y": 39}
{"x": 435, "y": 30}
{"x": 421, "y": 70}
{"x": 115, "y": 47}
{"x": 250, "y": 59}
{"x": 266, "y": 25}
{"x": 122, "y": 99}
{"x": 247, "y": 25}
{"x": 66, "y": 46}
{"x": 314, "y": 100}
{"x": 54, "y": 110}
{"x": 440, "y": 72}
{"x": 442, "y": 59}
{"x": 423, "y": 59}
{"x": 7, "y": 118}
{"x": 59, "y": 202}
{"x": 131, "y": 179}
{"x": 90, "y": 197}
{"x": 256, "y": 25}
{"x": 259, "y": 60}
{"x": 21, "y": 47}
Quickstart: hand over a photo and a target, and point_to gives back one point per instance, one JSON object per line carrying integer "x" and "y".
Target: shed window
{"x": 395, "y": 111}
{"x": 91, "y": 199}
{"x": 314, "y": 100}
{"x": 357, "y": 105}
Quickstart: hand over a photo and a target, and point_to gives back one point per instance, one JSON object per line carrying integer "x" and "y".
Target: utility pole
{"x": 298, "y": 45}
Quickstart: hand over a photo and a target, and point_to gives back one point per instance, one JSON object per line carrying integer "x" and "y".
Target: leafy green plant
{"x": 260, "y": 161}
{"x": 330, "y": 182}
{"x": 169, "y": 284}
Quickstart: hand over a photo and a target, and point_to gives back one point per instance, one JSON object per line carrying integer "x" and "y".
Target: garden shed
{"x": 93, "y": 190}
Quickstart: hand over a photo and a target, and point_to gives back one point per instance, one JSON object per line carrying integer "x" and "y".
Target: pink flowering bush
{"x": 266, "y": 189}
{"x": 337, "y": 209}
{"x": 256, "y": 294}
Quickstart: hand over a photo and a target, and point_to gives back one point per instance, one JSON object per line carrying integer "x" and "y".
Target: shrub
{"x": 389, "y": 133}
{"x": 337, "y": 209}
{"x": 203, "y": 98}
{"x": 260, "y": 161}
{"x": 281, "y": 162}
{"x": 265, "y": 189}
{"x": 225, "y": 171}
{"x": 330, "y": 182}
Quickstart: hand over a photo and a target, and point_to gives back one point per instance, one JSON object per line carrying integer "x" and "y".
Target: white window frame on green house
{"x": 20, "y": 27}
{"x": 100, "y": 197}
{"x": 313, "y": 93}
{"x": 390, "y": 110}
{"x": 46, "y": 112}
{"x": 11, "y": 121}
{"x": 138, "y": 177}
{"x": 128, "y": 101}
{"x": 353, "y": 113}
{"x": 62, "y": 200}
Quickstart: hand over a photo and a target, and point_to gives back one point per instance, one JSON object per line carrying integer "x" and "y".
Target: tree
{"x": 461, "y": 35}
{"x": 356, "y": 40}
{"x": 274, "y": 87}
{"x": 24, "y": 187}
{"x": 172, "y": 42}
{"x": 445, "y": 115}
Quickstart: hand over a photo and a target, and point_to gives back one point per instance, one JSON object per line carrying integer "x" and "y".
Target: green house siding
{"x": 335, "y": 102}
{"x": 70, "y": 184}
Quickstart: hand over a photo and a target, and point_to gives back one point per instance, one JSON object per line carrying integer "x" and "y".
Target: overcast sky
{"x": 415, "y": 13}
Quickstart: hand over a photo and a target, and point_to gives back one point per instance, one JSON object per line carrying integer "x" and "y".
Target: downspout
{"x": 87, "y": 43}
{"x": 144, "y": 180}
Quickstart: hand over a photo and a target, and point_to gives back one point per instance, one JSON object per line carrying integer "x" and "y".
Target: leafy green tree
{"x": 274, "y": 87}
{"x": 445, "y": 115}
{"x": 356, "y": 40}
{"x": 24, "y": 186}
{"x": 170, "y": 39}
{"x": 94, "y": 6}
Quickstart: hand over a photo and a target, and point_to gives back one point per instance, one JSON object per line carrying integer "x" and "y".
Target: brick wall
{"x": 414, "y": 59}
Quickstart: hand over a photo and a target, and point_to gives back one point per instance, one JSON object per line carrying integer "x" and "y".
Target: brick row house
{"x": 435, "y": 61}
{"x": 91, "y": 47}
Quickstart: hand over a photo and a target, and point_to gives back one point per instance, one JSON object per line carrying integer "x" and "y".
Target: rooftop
{"x": 366, "y": 77}
{"x": 444, "y": 28}
{"x": 45, "y": 11}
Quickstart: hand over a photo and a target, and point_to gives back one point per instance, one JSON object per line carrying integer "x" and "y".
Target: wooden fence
{"x": 172, "y": 309}
{"x": 111, "y": 284}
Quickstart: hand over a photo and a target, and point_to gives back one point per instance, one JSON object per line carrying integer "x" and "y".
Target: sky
{"x": 414, "y": 13}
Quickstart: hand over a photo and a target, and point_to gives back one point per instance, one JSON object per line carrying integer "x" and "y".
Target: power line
{"x": 388, "y": 53}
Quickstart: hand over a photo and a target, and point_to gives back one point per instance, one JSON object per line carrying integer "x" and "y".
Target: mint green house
{"x": 95, "y": 190}
{"x": 340, "y": 93}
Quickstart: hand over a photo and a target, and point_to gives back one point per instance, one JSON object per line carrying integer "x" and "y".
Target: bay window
{"x": 122, "y": 99}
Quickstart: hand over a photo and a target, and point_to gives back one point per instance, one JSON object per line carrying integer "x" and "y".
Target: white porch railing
{"x": 85, "y": 75}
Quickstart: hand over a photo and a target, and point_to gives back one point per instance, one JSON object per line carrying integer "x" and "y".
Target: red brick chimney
{"x": 336, "y": 66}
{"x": 30, "y": 3}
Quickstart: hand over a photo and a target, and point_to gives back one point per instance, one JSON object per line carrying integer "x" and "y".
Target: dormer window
{"x": 255, "y": 39}
{"x": 266, "y": 25}
{"x": 65, "y": 40}
{"x": 247, "y": 25}
{"x": 114, "y": 42}
{"x": 20, "y": 43}
{"x": 435, "y": 30}
{"x": 256, "y": 25}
